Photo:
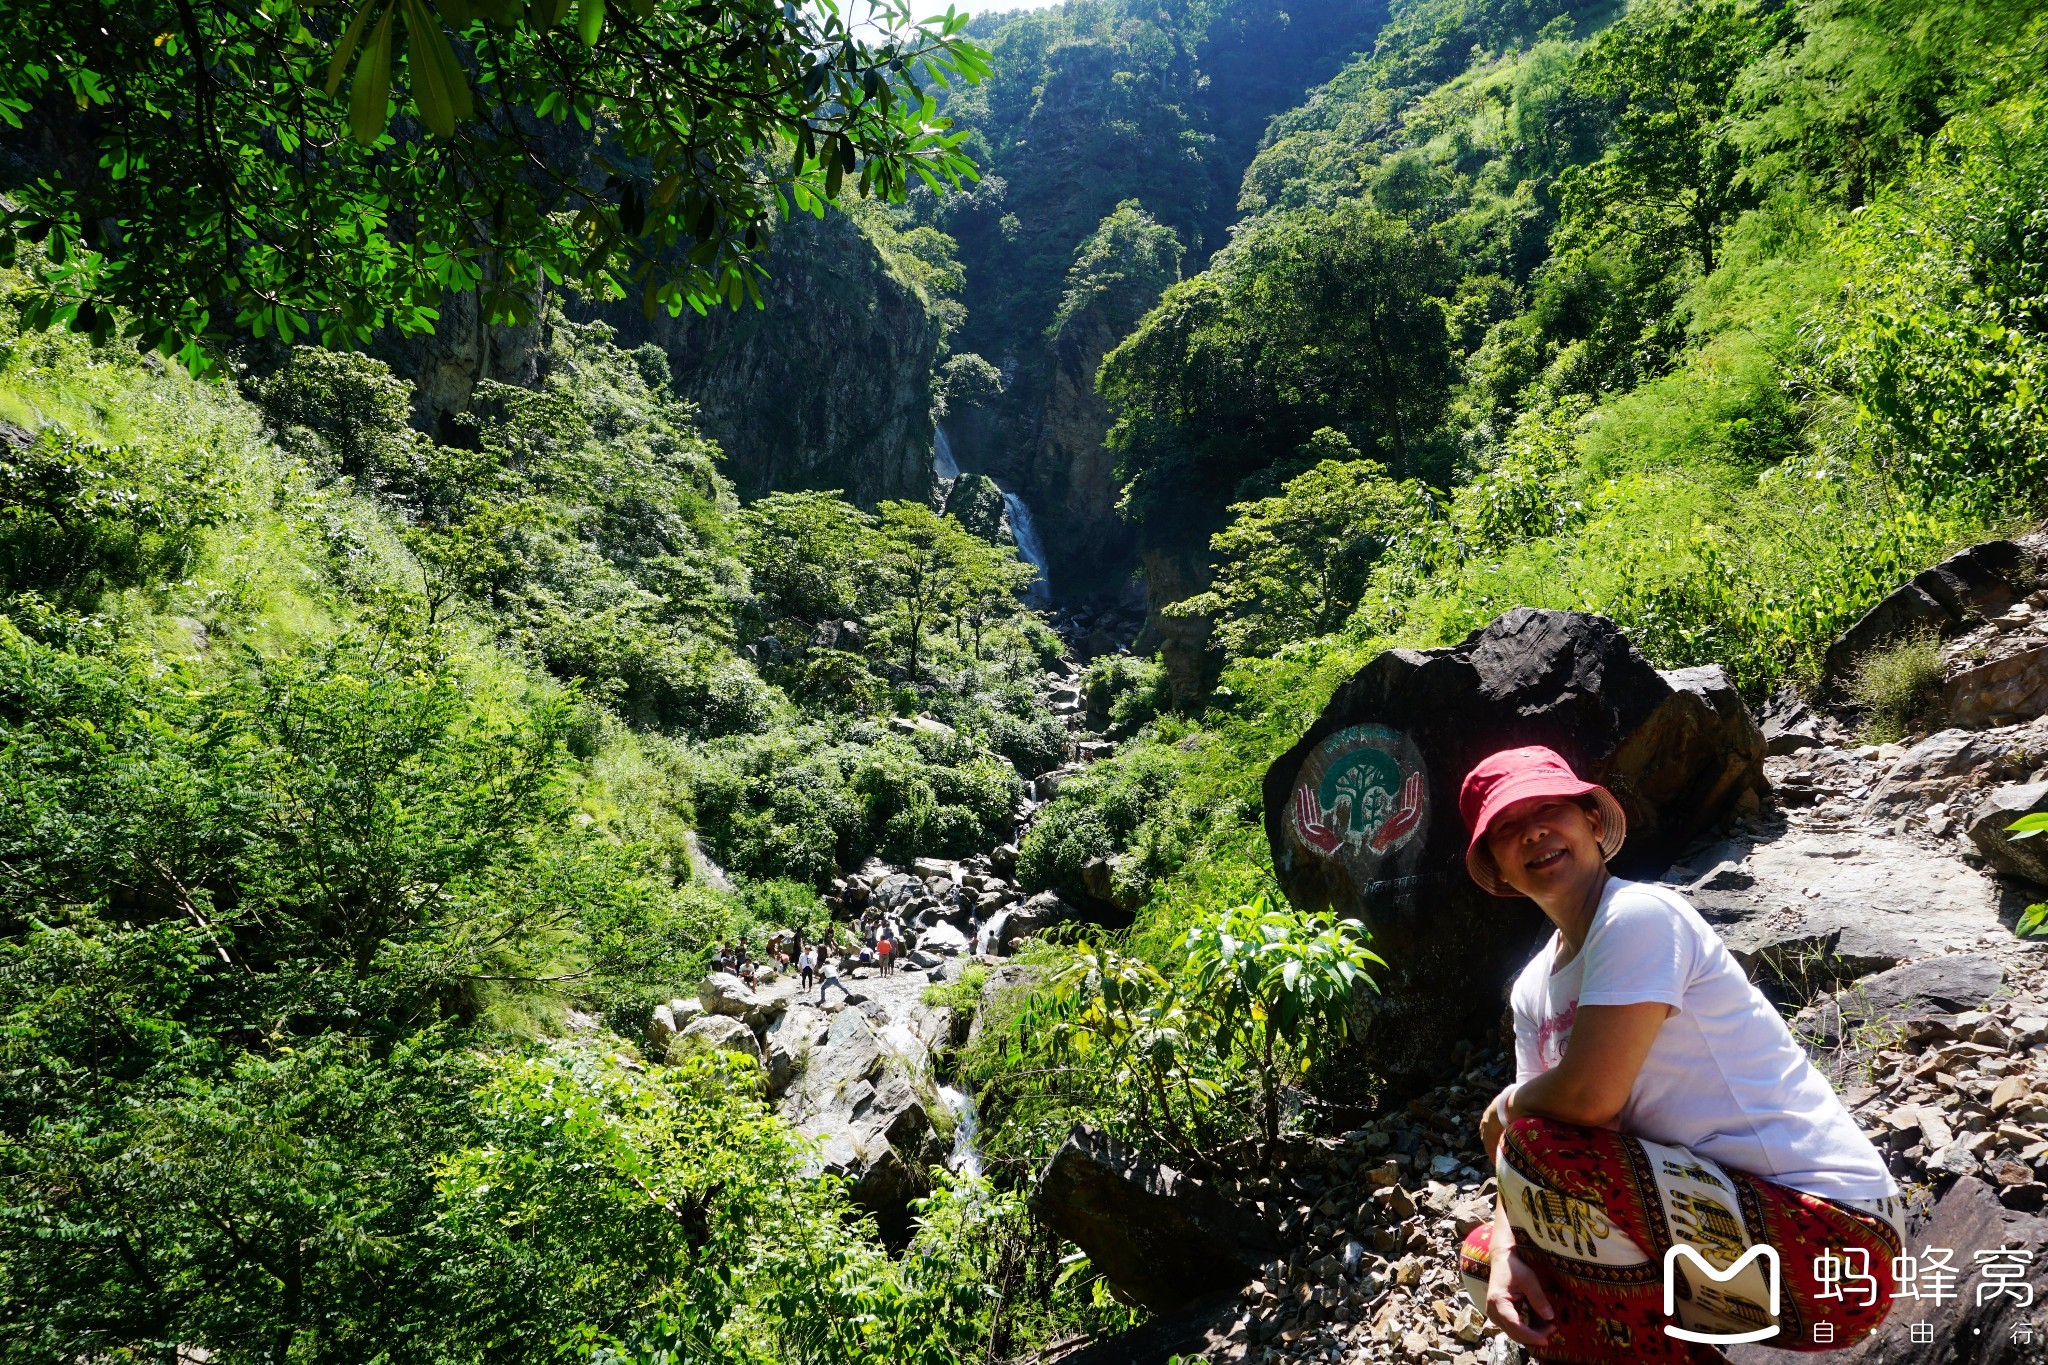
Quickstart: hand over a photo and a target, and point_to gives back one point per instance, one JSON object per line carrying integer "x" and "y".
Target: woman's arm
{"x": 1591, "y": 1084}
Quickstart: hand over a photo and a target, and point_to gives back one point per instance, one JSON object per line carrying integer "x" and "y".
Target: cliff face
{"x": 1072, "y": 476}
{"x": 829, "y": 386}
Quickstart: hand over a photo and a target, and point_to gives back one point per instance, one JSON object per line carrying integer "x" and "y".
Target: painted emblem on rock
{"x": 1360, "y": 797}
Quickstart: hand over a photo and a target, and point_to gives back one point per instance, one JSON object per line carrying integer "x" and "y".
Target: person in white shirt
{"x": 1662, "y": 1122}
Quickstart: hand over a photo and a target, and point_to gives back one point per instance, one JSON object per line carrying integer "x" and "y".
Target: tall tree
{"x": 931, "y": 565}
{"x": 1310, "y": 319}
{"x": 807, "y": 553}
{"x": 195, "y": 166}
{"x": 1295, "y": 566}
{"x": 1668, "y": 175}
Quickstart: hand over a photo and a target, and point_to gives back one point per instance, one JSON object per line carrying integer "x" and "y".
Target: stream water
{"x": 944, "y": 466}
{"x": 966, "y": 1157}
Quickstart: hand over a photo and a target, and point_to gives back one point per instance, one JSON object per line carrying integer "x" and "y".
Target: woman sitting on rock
{"x": 1659, "y": 1101}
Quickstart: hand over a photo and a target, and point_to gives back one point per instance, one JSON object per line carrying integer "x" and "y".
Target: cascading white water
{"x": 966, "y": 1157}
{"x": 991, "y": 936}
{"x": 1028, "y": 545}
{"x": 944, "y": 466}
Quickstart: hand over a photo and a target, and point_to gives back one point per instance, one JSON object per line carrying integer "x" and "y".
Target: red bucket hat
{"x": 1516, "y": 775}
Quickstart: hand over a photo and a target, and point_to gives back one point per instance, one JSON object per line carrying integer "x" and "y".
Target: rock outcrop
{"x": 861, "y": 1103}
{"x": 722, "y": 993}
{"x": 1161, "y": 1238}
{"x": 1362, "y": 814}
{"x": 1956, "y": 594}
{"x": 828, "y": 386}
{"x": 1989, "y": 828}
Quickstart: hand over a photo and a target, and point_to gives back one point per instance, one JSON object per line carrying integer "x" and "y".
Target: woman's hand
{"x": 1516, "y": 1303}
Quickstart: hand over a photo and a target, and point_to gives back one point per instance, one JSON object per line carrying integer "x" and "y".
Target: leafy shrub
{"x": 1123, "y": 692}
{"x": 806, "y": 804}
{"x": 79, "y": 519}
{"x": 1098, "y": 813}
{"x": 1034, "y": 744}
{"x": 1256, "y": 993}
{"x": 963, "y": 992}
{"x": 1896, "y": 685}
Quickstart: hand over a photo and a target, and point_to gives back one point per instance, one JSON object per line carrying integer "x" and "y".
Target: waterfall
{"x": 966, "y": 1157}
{"x": 944, "y": 466}
{"x": 991, "y": 936}
{"x": 1028, "y": 545}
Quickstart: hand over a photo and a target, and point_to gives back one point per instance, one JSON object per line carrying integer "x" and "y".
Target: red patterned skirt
{"x": 1596, "y": 1212}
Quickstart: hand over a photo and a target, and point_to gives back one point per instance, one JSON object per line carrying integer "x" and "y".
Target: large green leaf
{"x": 371, "y": 93}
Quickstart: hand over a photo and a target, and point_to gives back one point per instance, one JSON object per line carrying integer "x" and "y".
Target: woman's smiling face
{"x": 1547, "y": 847}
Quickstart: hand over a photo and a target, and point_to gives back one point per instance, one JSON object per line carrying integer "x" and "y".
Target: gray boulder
{"x": 859, "y": 1104}
{"x": 715, "y": 1031}
{"x": 896, "y": 889}
{"x": 1963, "y": 589}
{"x": 2011, "y": 687}
{"x": 1950, "y": 984}
{"x": 1361, "y": 814}
{"x": 1163, "y": 1239}
{"x": 725, "y": 994}
{"x": 661, "y": 1031}
{"x": 1988, "y": 830}
{"x": 1954, "y": 763}
{"x": 1034, "y": 916}
{"x": 1790, "y": 725}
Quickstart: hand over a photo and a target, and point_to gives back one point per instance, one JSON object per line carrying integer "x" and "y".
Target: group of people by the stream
{"x": 877, "y": 943}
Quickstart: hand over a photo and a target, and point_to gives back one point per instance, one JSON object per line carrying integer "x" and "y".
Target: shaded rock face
{"x": 1072, "y": 479}
{"x": 829, "y": 386}
{"x": 1161, "y": 1238}
{"x": 1361, "y": 814}
{"x": 446, "y": 364}
{"x": 1183, "y": 642}
{"x": 1988, "y": 830}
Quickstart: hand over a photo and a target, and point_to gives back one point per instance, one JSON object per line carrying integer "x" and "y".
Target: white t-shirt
{"x": 1724, "y": 1077}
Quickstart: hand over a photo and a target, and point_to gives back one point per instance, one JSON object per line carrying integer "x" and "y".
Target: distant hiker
{"x": 1659, "y": 1102}
{"x": 804, "y": 965}
{"x": 885, "y": 950}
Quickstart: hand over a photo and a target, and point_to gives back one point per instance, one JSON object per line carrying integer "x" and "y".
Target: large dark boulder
{"x": 1161, "y": 1238}
{"x": 1362, "y": 813}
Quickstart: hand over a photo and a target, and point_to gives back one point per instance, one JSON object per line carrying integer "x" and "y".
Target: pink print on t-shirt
{"x": 1553, "y": 1033}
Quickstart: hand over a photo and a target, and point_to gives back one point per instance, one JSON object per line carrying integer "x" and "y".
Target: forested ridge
{"x": 380, "y": 776}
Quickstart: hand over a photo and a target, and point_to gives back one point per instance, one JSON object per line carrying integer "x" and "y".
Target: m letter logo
{"x": 1769, "y": 1256}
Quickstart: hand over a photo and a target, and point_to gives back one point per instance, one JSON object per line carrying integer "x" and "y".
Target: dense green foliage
{"x": 191, "y": 167}
{"x": 343, "y": 766}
